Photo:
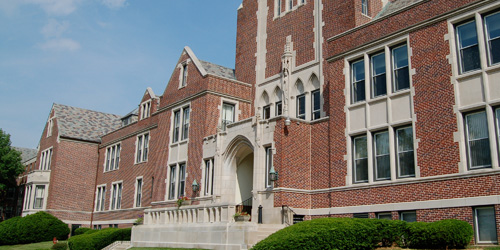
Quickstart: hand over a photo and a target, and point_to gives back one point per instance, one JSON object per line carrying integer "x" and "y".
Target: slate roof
{"x": 218, "y": 70}
{"x": 83, "y": 124}
{"x": 395, "y": 5}
{"x": 26, "y": 153}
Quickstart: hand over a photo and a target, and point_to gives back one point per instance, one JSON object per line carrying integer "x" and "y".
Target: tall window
{"x": 142, "y": 148}
{"x": 45, "y": 159}
{"x": 485, "y": 225}
{"x": 266, "y": 112}
{"x": 39, "y": 195}
{"x": 316, "y": 104}
{"x": 358, "y": 81}
{"x": 27, "y": 197}
{"x": 468, "y": 46}
{"x": 279, "y": 108}
{"x": 177, "y": 124}
{"x": 116, "y": 196}
{"x": 405, "y": 157}
{"x": 360, "y": 159}
{"x": 301, "y": 106}
{"x": 401, "y": 76}
{"x": 112, "y": 157}
{"x": 182, "y": 180}
{"x": 364, "y": 7}
{"x": 184, "y": 75}
{"x": 138, "y": 192}
{"x": 478, "y": 142}
{"x": 278, "y": 7}
{"x": 269, "y": 165}
{"x": 227, "y": 114}
{"x": 209, "y": 177}
{"x": 100, "y": 198}
{"x": 146, "y": 109}
{"x": 185, "y": 123}
{"x": 290, "y": 4}
{"x": 50, "y": 124}
{"x": 173, "y": 173}
{"x": 379, "y": 82}
{"x": 492, "y": 23}
{"x": 382, "y": 157}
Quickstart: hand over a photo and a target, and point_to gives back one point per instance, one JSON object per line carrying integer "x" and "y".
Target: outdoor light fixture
{"x": 195, "y": 186}
{"x": 287, "y": 123}
{"x": 273, "y": 174}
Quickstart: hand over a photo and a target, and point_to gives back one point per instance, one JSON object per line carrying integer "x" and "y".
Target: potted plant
{"x": 183, "y": 200}
{"x": 241, "y": 216}
{"x": 139, "y": 220}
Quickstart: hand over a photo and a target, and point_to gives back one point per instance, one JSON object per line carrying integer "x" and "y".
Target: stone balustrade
{"x": 189, "y": 214}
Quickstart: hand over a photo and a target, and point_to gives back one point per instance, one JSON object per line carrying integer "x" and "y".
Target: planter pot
{"x": 242, "y": 218}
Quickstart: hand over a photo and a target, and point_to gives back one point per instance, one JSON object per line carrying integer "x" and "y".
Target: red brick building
{"x": 364, "y": 108}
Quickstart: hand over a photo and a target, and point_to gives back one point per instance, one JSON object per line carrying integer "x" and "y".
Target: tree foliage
{"x": 10, "y": 162}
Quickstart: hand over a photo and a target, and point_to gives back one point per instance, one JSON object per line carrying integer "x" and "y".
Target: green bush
{"x": 32, "y": 228}
{"x": 91, "y": 231}
{"x": 443, "y": 234}
{"x": 390, "y": 232}
{"x": 60, "y": 246}
{"x": 81, "y": 230}
{"x": 99, "y": 238}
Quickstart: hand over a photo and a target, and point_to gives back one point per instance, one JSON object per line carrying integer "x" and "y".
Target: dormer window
{"x": 146, "y": 109}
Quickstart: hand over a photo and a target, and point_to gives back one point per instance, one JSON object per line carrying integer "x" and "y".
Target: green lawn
{"x": 34, "y": 246}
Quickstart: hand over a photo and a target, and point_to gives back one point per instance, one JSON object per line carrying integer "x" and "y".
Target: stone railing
{"x": 189, "y": 214}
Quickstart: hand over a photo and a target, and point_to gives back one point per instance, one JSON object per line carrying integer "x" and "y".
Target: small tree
{"x": 10, "y": 166}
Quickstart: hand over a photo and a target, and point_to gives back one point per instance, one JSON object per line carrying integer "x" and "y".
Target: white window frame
{"x": 180, "y": 125}
{"x": 145, "y": 109}
{"x": 269, "y": 164}
{"x": 181, "y": 189}
{"x": 112, "y": 159}
{"x": 50, "y": 125}
{"x": 315, "y": 111}
{"x": 183, "y": 75}
{"x": 186, "y": 118}
{"x": 41, "y": 198}
{"x": 476, "y": 225}
{"x": 209, "y": 172}
{"x": 172, "y": 182}
{"x": 27, "y": 197}
{"x": 364, "y": 7}
{"x": 139, "y": 186}
{"x": 46, "y": 159}
{"x": 116, "y": 194}
{"x": 299, "y": 98}
{"x": 100, "y": 198}
{"x": 225, "y": 122}
{"x": 142, "y": 148}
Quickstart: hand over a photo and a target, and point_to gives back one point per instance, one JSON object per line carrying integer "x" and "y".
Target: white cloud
{"x": 61, "y": 44}
{"x": 54, "y": 28}
{"x": 56, "y": 7}
{"x": 114, "y": 4}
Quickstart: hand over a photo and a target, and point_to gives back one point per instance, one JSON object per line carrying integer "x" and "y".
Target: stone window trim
{"x": 176, "y": 180}
{"x": 139, "y": 186}
{"x": 39, "y": 196}
{"x": 181, "y": 118}
{"x": 482, "y": 41}
{"x": 46, "y": 159}
{"x": 208, "y": 177}
{"x": 50, "y": 126}
{"x": 100, "y": 198}
{"x": 112, "y": 157}
{"x": 367, "y": 157}
{"x": 236, "y": 112}
{"x": 145, "y": 109}
{"x": 142, "y": 147}
{"x": 283, "y": 7}
{"x": 183, "y": 73}
{"x": 116, "y": 194}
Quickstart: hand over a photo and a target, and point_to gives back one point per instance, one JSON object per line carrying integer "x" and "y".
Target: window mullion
{"x": 481, "y": 41}
{"x": 491, "y": 134}
{"x": 370, "y": 156}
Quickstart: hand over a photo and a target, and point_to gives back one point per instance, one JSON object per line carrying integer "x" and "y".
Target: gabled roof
{"x": 84, "y": 124}
{"x": 210, "y": 68}
{"x": 395, "y": 5}
{"x": 26, "y": 153}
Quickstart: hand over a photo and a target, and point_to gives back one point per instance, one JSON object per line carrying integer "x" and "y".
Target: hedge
{"x": 364, "y": 234}
{"x": 81, "y": 230}
{"x": 32, "y": 228}
{"x": 99, "y": 239}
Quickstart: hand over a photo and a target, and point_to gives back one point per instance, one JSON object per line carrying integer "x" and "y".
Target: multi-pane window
{"x": 382, "y": 158}
{"x": 358, "y": 81}
{"x": 100, "y": 198}
{"x": 301, "y": 106}
{"x": 138, "y": 192}
{"x": 184, "y": 75}
{"x": 182, "y": 180}
{"x": 209, "y": 177}
{"x": 279, "y": 108}
{"x": 173, "y": 173}
{"x": 404, "y": 148}
{"x": 227, "y": 114}
{"x": 408, "y": 216}
{"x": 360, "y": 160}
{"x": 266, "y": 110}
{"x": 45, "y": 159}
{"x": 384, "y": 216}
{"x": 485, "y": 225}
{"x": 477, "y": 139}
{"x": 185, "y": 123}
{"x": 146, "y": 109}
{"x": 469, "y": 45}
{"x": 316, "y": 104}
{"x": 112, "y": 157}
{"x": 177, "y": 125}
{"x": 39, "y": 195}
{"x": 379, "y": 82}
{"x": 116, "y": 196}
{"x": 269, "y": 165}
{"x": 401, "y": 74}
{"x": 364, "y": 7}
{"x": 142, "y": 148}
{"x": 27, "y": 197}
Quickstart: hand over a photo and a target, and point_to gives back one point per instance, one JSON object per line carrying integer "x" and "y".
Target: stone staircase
{"x": 119, "y": 245}
{"x": 262, "y": 232}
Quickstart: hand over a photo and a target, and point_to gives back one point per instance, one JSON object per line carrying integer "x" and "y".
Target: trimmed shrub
{"x": 91, "y": 231}
{"x": 32, "y": 228}
{"x": 60, "y": 246}
{"x": 81, "y": 230}
{"x": 443, "y": 234}
{"x": 99, "y": 238}
{"x": 391, "y": 232}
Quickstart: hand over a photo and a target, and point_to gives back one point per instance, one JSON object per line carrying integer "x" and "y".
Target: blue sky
{"x": 99, "y": 54}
